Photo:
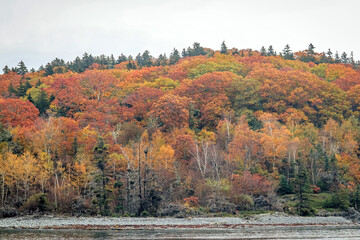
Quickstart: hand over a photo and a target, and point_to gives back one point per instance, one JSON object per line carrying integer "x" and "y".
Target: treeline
{"x": 146, "y": 60}
{"x": 213, "y": 131}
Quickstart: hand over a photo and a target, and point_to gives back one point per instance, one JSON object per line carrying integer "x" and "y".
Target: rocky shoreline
{"x": 108, "y": 223}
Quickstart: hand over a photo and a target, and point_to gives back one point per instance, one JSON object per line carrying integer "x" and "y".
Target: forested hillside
{"x": 200, "y": 131}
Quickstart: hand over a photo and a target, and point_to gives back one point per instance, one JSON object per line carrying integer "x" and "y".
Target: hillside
{"x": 212, "y": 131}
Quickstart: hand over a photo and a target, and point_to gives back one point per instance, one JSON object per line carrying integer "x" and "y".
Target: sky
{"x": 38, "y": 31}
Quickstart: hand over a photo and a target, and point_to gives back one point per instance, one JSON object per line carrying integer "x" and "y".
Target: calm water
{"x": 308, "y": 232}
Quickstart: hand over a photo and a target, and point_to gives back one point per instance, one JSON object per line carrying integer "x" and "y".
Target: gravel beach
{"x": 50, "y": 222}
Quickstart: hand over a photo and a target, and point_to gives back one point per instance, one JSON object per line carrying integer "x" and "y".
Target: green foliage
{"x": 339, "y": 200}
{"x": 37, "y": 202}
{"x": 285, "y": 187}
{"x": 302, "y": 188}
{"x": 102, "y": 193}
{"x": 243, "y": 202}
{"x": 223, "y": 48}
{"x": 216, "y": 67}
{"x": 22, "y": 69}
{"x": 287, "y": 54}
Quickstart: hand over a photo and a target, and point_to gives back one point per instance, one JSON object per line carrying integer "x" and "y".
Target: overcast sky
{"x": 37, "y": 31}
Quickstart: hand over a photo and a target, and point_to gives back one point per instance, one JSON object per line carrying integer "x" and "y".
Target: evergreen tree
{"x": 271, "y": 51}
{"x": 6, "y": 69}
{"x": 42, "y": 103}
{"x": 302, "y": 187}
{"x": 101, "y": 154}
{"x": 147, "y": 59}
{"x": 131, "y": 65}
{"x": 329, "y": 55}
{"x": 174, "y": 57}
{"x": 21, "y": 91}
{"x": 22, "y": 69}
{"x": 337, "y": 58}
{"x": 323, "y": 58}
{"x": 224, "y": 49}
{"x": 38, "y": 83}
{"x": 284, "y": 186}
{"x": 288, "y": 55}
{"x": 263, "y": 51}
{"x": 310, "y": 50}
{"x": 344, "y": 58}
{"x": 121, "y": 58}
{"x": 161, "y": 60}
{"x": 52, "y": 98}
{"x": 184, "y": 53}
{"x": 351, "y": 59}
{"x": 30, "y": 98}
{"x": 11, "y": 89}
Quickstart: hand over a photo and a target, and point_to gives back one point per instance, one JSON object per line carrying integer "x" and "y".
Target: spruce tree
{"x": 224, "y": 49}
{"x": 30, "y": 98}
{"x": 263, "y": 51}
{"x": 310, "y": 50}
{"x": 42, "y": 103}
{"x": 344, "y": 58}
{"x": 6, "y": 69}
{"x": 271, "y": 51}
{"x": 101, "y": 154}
{"x": 22, "y": 69}
{"x": 288, "y": 55}
{"x": 329, "y": 55}
{"x": 337, "y": 58}
{"x": 121, "y": 58}
{"x": 174, "y": 57}
{"x": 284, "y": 186}
{"x": 302, "y": 187}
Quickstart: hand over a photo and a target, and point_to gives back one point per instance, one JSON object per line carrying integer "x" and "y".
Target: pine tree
{"x": 42, "y": 103}
{"x": 288, "y": 55}
{"x": 263, "y": 51}
{"x": 11, "y": 89}
{"x": 302, "y": 187}
{"x": 329, "y": 55}
{"x": 30, "y": 98}
{"x": 161, "y": 60}
{"x": 271, "y": 51}
{"x": 131, "y": 65}
{"x": 184, "y": 53}
{"x": 121, "y": 58}
{"x": 174, "y": 57}
{"x": 284, "y": 186}
{"x": 344, "y": 58}
{"x": 22, "y": 69}
{"x": 224, "y": 49}
{"x": 101, "y": 157}
{"x": 6, "y": 69}
{"x": 351, "y": 59}
{"x": 337, "y": 58}
{"x": 310, "y": 50}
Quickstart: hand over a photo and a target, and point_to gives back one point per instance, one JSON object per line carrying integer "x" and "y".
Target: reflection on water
{"x": 265, "y": 232}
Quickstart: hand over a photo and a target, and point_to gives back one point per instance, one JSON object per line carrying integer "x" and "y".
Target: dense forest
{"x": 200, "y": 131}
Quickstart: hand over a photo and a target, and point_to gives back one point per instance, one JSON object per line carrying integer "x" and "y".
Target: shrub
{"x": 243, "y": 202}
{"x": 339, "y": 200}
{"x": 37, "y": 202}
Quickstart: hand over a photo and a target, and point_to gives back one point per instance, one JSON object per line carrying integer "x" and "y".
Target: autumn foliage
{"x": 133, "y": 138}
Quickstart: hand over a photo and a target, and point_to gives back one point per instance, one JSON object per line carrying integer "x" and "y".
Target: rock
{"x": 217, "y": 205}
{"x": 8, "y": 212}
{"x": 170, "y": 210}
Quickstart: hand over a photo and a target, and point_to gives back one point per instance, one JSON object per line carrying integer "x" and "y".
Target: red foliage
{"x": 16, "y": 112}
{"x": 252, "y": 184}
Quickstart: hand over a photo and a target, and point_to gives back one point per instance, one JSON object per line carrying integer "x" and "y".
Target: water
{"x": 260, "y": 232}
